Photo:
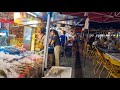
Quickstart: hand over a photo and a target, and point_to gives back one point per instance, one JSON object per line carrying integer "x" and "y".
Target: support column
{"x": 45, "y": 57}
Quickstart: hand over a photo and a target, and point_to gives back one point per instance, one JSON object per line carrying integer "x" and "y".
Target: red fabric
{"x": 7, "y": 21}
{"x": 98, "y": 16}
{"x": 78, "y": 30}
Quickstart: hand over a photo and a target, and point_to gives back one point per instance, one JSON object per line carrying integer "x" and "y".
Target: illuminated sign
{"x": 25, "y": 18}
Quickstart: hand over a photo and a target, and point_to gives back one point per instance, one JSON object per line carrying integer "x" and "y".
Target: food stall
{"x": 17, "y": 61}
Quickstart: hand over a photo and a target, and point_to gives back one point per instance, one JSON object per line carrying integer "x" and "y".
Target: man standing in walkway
{"x": 63, "y": 40}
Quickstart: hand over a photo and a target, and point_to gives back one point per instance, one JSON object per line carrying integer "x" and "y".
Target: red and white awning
{"x": 100, "y": 17}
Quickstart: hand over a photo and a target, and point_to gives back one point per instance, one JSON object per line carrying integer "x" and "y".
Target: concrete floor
{"x": 81, "y": 67}
{"x": 75, "y": 63}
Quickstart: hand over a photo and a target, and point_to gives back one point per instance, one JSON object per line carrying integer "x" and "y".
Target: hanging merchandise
{"x": 86, "y": 26}
{"x": 6, "y": 17}
{"x": 18, "y": 31}
{"x": 38, "y": 45}
{"x": 33, "y": 39}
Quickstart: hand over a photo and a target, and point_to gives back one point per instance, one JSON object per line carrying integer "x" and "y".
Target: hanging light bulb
{"x": 17, "y": 15}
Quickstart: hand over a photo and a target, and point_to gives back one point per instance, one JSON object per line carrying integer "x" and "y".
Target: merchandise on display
{"x": 21, "y": 53}
{"x": 18, "y": 32}
{"x": 15, "y": 66}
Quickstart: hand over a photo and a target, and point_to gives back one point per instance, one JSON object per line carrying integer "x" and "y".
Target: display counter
{"x": 59, "y": 72}
{"x": 25, "y": 65}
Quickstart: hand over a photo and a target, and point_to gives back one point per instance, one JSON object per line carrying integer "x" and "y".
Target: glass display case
{"x": 4, "y": 41}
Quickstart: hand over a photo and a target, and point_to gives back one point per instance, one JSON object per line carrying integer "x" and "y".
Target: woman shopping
{"x": 57, "y": 46}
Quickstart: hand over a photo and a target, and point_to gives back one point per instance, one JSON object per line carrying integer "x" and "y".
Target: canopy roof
{"x": 103, "y": 20}
{"x": 100, "y": 17}
{"x": 97, "y": 19}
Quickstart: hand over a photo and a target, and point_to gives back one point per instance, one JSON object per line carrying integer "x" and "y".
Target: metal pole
{"x": 64, "y": 50}
{"x": 86, "y": 27}
{"x": 45, "y": 57}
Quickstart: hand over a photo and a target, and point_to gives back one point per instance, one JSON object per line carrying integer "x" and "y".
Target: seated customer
{"x": 96, "y": 42}
{"x": 105, "y": 44}
{"x": 111, "y": 45}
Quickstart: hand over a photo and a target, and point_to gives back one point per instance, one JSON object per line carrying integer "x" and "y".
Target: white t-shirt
{"x": 95, "y": 43}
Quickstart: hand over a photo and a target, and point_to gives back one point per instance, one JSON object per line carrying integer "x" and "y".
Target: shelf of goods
{"x": 18, "y": 32}
{"x": 25, "y": 65}
{"x": 38, "y": 45}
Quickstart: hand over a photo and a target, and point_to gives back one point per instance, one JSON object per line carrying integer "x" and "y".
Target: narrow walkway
{"x": 81, "y": 67}
{"x": 78, "y": 68}
{"x": 75, "y": 63}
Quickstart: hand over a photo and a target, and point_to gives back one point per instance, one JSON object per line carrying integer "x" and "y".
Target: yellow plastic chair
{"x": 99, "y": 62}
{"x": 111, "y": 66}
{"x": 92, "y": 53}
{"x": 106, "y": 65}
{"x": 115, "y": 71}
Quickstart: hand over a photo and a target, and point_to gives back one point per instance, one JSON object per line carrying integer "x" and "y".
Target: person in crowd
{"x": 118, "y": 45}
{"x": 92, "y": 39}
{"x": 84, "y": 45}
{"x": 69, "y": 41}
{"x": 76, "y": 44}
{"x": 63, "y": 39}
{"x": 57, "y": 46}
{"x": 101, "y": 42}
{"x": 111, "y": 45}
{"x": 105, "y": 43}
{"x": 51, "y": 56}
{"x": 68, "y": 48}
{"x": 96, "y": 42}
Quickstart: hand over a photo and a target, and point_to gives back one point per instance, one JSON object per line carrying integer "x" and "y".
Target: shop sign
{"x": 25, "y": 19}
{"x": 19, "y": 17}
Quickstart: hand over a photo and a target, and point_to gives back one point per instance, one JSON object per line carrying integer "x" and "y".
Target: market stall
{"x": 19, "y": 66}
{"x": 16, "y": 62}
{"x": 18, "y": 58}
